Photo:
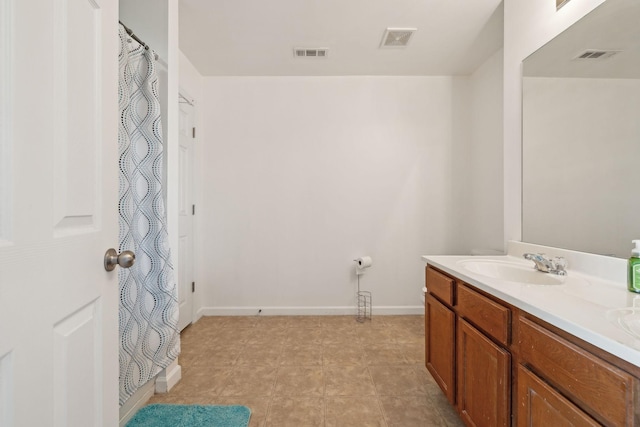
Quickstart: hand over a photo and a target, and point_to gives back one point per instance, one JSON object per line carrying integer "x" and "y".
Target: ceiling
{"x": 257, "y": 37}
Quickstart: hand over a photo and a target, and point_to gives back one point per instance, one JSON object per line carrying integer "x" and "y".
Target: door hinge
{"x": 193, "y": 132}
{"x": 193, "y": 209}
{"x": 193, "y": 286}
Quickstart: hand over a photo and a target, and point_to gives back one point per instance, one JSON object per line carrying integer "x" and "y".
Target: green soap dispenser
{"x": 633, "y": 280}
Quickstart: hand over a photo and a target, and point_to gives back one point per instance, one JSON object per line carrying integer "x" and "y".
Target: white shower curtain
{"x": 149, "y": 339}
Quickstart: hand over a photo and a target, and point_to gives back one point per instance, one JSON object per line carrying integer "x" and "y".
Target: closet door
{"x": 58, "y": 213}
{"x": 186, "y": 280}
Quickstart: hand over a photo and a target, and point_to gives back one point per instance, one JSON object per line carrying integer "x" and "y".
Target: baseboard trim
{"x": 309, "y": 311}
{"x": 198, "y": 314}
{"x": 135, "y": 402}
{"x": 168, "y": 377}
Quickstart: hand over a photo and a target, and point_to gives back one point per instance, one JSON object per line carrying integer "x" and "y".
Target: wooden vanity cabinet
{"x": 465, "y": 338}
{"x": 477, "y": 346}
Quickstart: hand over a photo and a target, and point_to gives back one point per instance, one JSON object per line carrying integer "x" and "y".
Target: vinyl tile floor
{"x": 324, "y": 371}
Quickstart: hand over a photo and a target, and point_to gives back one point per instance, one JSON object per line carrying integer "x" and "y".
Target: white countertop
{"x": 587, "y": 309}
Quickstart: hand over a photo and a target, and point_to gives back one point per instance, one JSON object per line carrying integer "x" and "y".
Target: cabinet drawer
{"x": 599, "y": 388}
{"x": 439, "y": 285}
{"x": 486, "y": 314}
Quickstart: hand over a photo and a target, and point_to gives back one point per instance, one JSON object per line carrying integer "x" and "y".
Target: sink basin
{"x": 512, "y": 272}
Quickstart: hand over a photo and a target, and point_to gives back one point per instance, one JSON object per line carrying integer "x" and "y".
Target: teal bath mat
{"x": 158, "y": 415}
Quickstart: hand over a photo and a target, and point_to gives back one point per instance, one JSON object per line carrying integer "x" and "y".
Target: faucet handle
{"x": 559, "y": 265}
{"x": 560, "y": 262}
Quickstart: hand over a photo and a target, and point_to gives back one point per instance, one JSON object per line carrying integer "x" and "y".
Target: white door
{"x": 187, "y": 211}
{"x": 58, "y": 213}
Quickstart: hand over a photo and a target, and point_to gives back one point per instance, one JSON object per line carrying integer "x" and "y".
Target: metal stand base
{"x": 364, "y": 306}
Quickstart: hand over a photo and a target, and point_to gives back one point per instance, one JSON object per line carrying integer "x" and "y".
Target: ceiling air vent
{"x": 316, "y": 52}
{"x": 397, "y": 37}
{"x": 593, "y": 54}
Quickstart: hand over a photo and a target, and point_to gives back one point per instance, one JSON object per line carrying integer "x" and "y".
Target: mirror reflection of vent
{"x": 316, "y": 52}
{"x": 595, "y": 54}
{"x": 397, "y": 37}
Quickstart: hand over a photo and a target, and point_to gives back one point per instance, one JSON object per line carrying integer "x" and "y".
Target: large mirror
{"x": 581, "y": 135}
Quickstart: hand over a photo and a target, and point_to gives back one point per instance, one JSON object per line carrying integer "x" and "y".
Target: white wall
{"x": 285, "y": 160}
{"x": 148, "y": 20}
{"x": 300, "y": 175}
{"x": 478, "y": 176}
{"x": 528, "y": 25}
{"x": 191, "y": 81}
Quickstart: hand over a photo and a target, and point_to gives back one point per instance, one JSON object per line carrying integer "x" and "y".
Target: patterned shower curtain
{"x": 149, "y": 338}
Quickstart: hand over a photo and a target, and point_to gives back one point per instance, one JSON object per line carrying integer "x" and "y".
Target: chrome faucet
{"x": 555, "y": 265}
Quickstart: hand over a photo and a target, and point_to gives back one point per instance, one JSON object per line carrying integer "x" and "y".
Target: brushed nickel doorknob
{"x": 125, "y": 260}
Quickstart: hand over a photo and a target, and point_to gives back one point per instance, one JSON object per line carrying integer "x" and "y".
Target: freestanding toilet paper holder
{"x": 363, "y": 297}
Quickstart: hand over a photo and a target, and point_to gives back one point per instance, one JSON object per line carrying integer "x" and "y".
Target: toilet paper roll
{"x": 364, "y": 262}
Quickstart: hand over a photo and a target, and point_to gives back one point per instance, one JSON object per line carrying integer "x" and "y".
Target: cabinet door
{"x": 484, "y": 379}
{"x": 440, "y": 345}
{"x": 541, "y": 405}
